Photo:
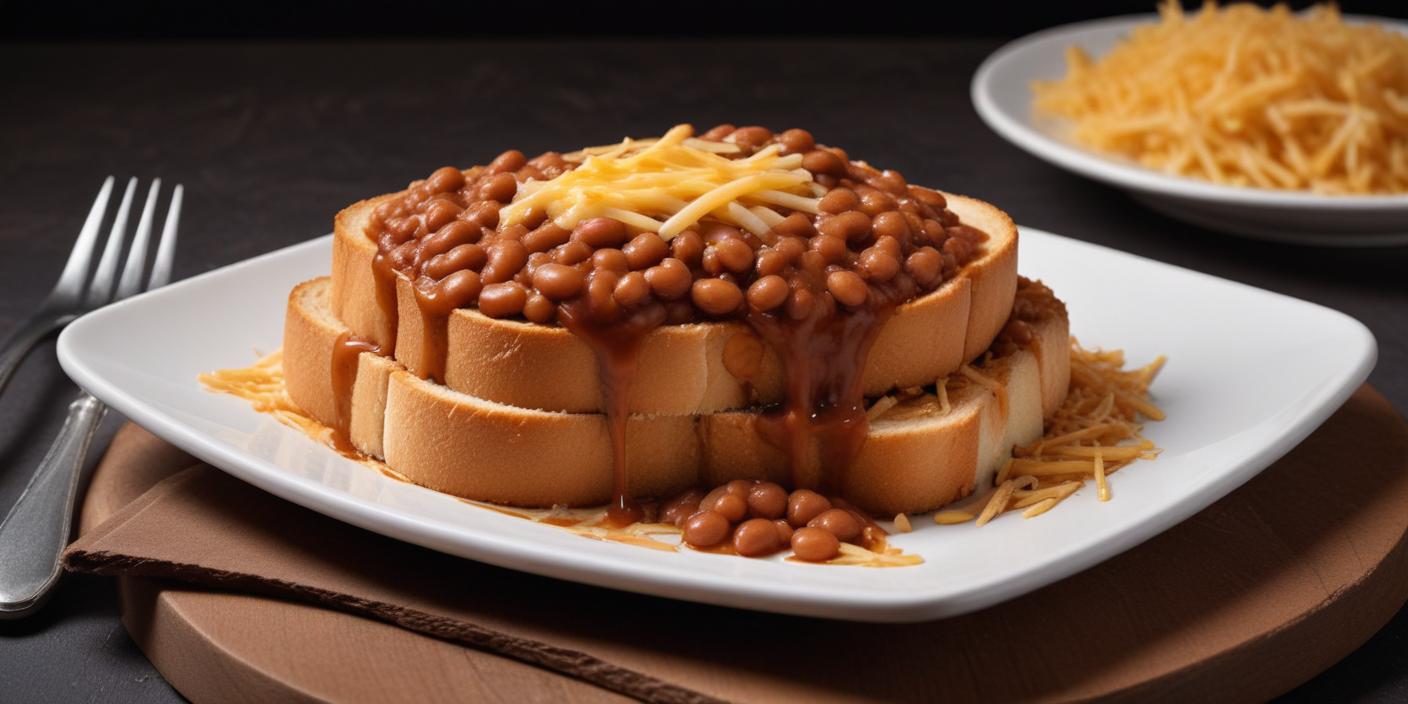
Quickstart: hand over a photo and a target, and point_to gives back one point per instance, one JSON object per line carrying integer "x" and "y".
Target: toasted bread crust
{"x": 681, "y": 368}
{"x": 479, "y": 449}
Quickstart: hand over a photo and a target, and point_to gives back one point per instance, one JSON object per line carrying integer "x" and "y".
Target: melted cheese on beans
{"x": 669, "y": 184}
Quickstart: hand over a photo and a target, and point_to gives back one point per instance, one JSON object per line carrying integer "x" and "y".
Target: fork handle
{"x": 17, "y": 346}
{"x": 34, "y": 534}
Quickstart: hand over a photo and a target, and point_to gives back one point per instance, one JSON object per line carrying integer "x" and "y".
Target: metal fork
{"x": 35, "y": 531}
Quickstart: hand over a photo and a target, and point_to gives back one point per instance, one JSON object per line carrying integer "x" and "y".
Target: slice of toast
{"x": 682, "y": 369}
{"x": 920, "y": 454}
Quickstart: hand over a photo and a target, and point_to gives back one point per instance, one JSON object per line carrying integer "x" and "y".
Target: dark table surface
{"x": 271, "y": 139}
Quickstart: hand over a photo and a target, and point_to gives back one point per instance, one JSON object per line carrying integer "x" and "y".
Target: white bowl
{"x": 1002, "y": 94}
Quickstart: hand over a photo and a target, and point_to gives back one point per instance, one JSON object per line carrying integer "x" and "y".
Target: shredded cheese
{"x": 1247, "y": 97}
{"x": 668, "y": 185}
{"x": 1094, "y": 433}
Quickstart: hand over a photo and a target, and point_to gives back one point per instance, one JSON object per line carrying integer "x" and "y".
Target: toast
{"x": 696, "y": 368}
{"x": 920, "y": 453}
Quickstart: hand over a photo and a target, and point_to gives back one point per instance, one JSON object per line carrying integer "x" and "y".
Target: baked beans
{"x": 760, "y": 518}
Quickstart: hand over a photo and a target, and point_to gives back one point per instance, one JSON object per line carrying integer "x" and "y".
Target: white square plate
{"x": 1250, "y": 374}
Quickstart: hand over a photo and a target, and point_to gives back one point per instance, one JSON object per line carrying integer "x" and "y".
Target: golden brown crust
{"x": 681, "y": 369}
{"x": 484, "y": 450}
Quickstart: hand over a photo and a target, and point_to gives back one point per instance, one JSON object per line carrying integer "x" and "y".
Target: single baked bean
{"x": 767, "y": 500}
{"x": 848, "y": 288}
{"x": 676, "y": 510}
{"x": 439, "y": 212}
{"x": 718, "y": 132}
{"x": 444, "y": 180}
{"x": 739, "y": 487}
{"x": 506, "y": 257}
{"x": 812, "y": 263}
{"x": 879, "y": 265}
{"x": 852, "y": 225}
{"x": 838, "y": 200}
{"x": 889, "y": 245}
{"x": 832, "y": 249}
{"x": 784, "y": 530}
{"x": 465, "y": 256}
{"x": 768, "y": 293}
{"x": 755, "y": 538}
{"x": 958, "y": 247}
{"x": 715, "y": 232}
{"x": 669, "y": 279}
{"x": 891, "y": 224}
{"x": 500, "y": 187}
{"x": 403, "y": 228}
{"x": 752, "y": 136}
{"x": 707, "y": 503}
{"x": 503, "y": 300}
{"x": 601, "y": 287}
{"x": 687, "y": 247}
{"x": 796, "y": 141}
{"x": 539, "y": 309}
{"x": 460, "y": 289}
{"x": 734, "y": 254}
{"x": 950, "y": 265}
{"x": 535, "y": 260}
{"x": 889, "y": 181}
{"x": 916, "y": 226}
{"x": 804, "y": 505}
{"x": 929, "y": 197}
{"x": 611, "y": 260}
{"x": 515, "y": 231}
{"x": 632, "y": 290}
{"x": 730, "y": 506}
{"x": 873, "y": 202}
{"x": 859, "y": 172}
{"x": 601, "y": 232}
{"x": 815, "y": 545}
{"x": 510, "y": 161}
{"x": 770, "y": 262}
{"x": 821, "y": 161}
{"x": 547, "y": 236}
{"x": 645, "y": 250}
{"x": 453, "y": 234}
{"x": 483, "y": 214}
{"x": 790, "y": 248}
{"x": 800, "y": 304}
{"x": 715, "y": 296}
{"x": 572, "y": 253}
{"x": 705, "y": 529}
{"x": 404, "y": 254}
{"x": 794, "y": 225}
{"x": 558, "y": 282}
{"x": 839, "y": 522}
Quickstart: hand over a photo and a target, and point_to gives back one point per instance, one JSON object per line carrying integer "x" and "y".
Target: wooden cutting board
{"x": 1244, "y": 601}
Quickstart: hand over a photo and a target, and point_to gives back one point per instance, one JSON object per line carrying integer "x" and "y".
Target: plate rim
{"x": 1018, "y": 131}
{"x": 825, "y": 601}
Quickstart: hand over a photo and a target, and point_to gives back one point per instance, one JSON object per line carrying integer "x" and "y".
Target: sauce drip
{"x": 345, "y": 352}
{"x": 821, "y": 424}
{"x": 616, "y": 345}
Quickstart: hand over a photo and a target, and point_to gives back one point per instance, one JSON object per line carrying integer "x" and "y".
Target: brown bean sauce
{"x": 345, "y": 352}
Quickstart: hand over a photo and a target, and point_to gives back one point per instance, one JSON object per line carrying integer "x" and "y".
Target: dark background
{"x": 275, "y": 116}
{"x": 165, "y": 20}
